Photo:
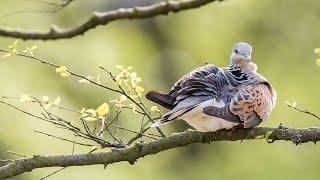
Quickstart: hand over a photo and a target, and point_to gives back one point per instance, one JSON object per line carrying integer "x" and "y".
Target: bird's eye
{"x": 236, "y": 51}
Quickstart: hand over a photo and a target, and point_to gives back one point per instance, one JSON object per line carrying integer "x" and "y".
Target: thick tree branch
{"x": 102, "y": 18}
{"x": 131, "y": 154}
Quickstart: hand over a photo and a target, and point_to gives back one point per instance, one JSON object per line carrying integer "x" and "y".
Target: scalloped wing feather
{"x": 253, "y": 103}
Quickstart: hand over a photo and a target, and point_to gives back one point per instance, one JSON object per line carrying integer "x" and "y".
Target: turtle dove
{"x": 211, "y": 98}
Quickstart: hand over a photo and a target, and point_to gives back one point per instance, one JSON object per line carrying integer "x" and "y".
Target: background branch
{"x": 293, "y": 106}
{"x": 56, "y": 8}
{"x": 131, "y": 154}
{"x": 102, "y": 18}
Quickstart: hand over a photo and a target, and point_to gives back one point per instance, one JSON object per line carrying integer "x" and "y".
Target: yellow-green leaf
{"x": 33, "y": 48}
{"x": 45, "y": 99}
{"x": 103, "y": 109}
{"x": 119, "y": 67}
{"x": 48, "y": 106}
{"x": 92, "y": 112}
{"x": 133, "y": 75}
{"x": 294, "y": 104}
{"x": 61, "y": 69}
{"x": 318, "y": 62}
{"x": 65, "y": 74}
{"x": 123, "y": 98}
{"x": 90, "y": 118}
{"x": 155, "y": 109}
{"x": 57, "y": 101}
{"x": 138, "y": 80}
{"x": 25, "y": 98}
{"x": 139, "y": 89}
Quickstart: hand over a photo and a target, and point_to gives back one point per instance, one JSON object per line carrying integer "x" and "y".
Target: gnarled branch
{"x": 102, "y": 18}
{"x": 131, "y": 154}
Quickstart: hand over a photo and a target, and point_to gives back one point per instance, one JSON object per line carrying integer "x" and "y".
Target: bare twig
{"x": 138, "y": 133}
{"x": 303, "y": 111}
{"x": 63, "y": 139}
{"x": 57, "y": 7}
{"x": 17, "y": 154}
{"x": 57, "y": 66}
{"x": 53, "y": 173}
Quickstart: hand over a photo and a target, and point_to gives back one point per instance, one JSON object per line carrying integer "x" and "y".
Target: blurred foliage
{"x": 283, "y": 33}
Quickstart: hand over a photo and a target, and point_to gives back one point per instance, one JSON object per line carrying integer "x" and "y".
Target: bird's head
{"x": 241, "y": 53}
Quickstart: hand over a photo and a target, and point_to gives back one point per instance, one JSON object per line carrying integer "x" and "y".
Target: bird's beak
{"x": 247, "y": 57}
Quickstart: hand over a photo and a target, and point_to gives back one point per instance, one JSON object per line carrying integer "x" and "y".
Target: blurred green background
{"x": 283, "y": 34}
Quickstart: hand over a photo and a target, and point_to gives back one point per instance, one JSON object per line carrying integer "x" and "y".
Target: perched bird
{"x": 211, "y": 98}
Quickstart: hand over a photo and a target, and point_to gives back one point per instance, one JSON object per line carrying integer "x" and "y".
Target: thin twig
{"x": 63, "y": 139}
{"x": 123, "y": 92}
{"x": 54, "y": 172}
{"x": 17, "y": 154}
{"x": 58, "y": 7}
{"x": 303, "y": 111}
{"x": 33, "y": 101}
{"x": 140, "y": 134}
{"x": 57, "y": 66}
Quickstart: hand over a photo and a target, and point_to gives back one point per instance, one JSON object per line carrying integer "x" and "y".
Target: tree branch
{"x": 102, "y": 18}
{"x": 57, "y": 7}
{"x": 131, "y": 154}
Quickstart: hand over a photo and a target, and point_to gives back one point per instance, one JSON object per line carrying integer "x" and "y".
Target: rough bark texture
{"x": 102, "y": 18}
{"x": 131, "y": 154}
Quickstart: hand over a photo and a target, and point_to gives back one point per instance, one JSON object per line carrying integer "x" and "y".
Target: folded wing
{"x": 250, "y": 105}
{"x": 199, "y": 85}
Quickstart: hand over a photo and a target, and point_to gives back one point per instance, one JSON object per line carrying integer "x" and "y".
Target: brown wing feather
{"x": 253, "y": 103}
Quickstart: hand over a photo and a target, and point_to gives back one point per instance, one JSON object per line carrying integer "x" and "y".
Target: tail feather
{"x": 160, "y": 122}
{"x": 160, "y": 98}
{"x": 172, "y": 115}
{"x": 164, "y": 119}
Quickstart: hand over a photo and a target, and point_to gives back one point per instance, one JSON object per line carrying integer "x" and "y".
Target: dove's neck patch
{"x": 237, "y": 73}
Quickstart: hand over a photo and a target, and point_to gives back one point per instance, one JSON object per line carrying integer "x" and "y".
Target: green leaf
{"x": 318, "y": 62}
